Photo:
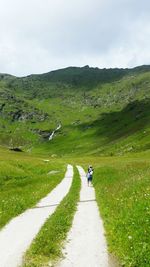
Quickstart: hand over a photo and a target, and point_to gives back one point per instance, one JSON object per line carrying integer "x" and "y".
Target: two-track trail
{"x": 17, "y": 235}
{"x": 86, "y": 244}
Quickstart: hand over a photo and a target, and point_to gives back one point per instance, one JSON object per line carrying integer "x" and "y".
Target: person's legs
{"x": 90, "y": 181}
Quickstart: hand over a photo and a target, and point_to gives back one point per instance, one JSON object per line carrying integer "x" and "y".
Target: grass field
{"x": 24, "y": 180}
{"x": 122, "y": 192}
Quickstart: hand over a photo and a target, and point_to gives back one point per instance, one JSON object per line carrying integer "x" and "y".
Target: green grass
{"x": 102, "y": 112}
{"x": 100, "y": 116}
{"x": 24, "y": 180}
{"x": 48, "y": 244}
{"x": 122, "y": 192}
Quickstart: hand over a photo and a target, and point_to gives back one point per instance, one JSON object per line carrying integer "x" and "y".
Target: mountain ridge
{"x": 140, "y": 68}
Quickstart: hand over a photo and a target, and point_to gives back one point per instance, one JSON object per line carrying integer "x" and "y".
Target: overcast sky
{"x": 38, "y": 36}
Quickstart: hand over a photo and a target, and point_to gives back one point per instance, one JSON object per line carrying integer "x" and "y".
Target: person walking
{"x": 90, "y": 175}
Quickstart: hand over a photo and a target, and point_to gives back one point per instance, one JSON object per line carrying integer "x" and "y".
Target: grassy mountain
{"x": 102, "y": 111}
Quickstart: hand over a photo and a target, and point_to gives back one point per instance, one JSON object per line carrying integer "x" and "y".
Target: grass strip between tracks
{"x": 47, "y": 246}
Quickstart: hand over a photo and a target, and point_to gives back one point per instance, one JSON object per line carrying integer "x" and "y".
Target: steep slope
{"x": 101, "y": 111}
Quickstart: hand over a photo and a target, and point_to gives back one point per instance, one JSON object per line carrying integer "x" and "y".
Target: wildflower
{"x": 130, "y": 237}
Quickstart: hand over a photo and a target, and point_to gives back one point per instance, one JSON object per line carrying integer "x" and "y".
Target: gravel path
{"x": 86, "y": 245}
{"x": 17, "y": 235}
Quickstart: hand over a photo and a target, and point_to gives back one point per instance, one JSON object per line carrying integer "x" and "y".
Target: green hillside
{"x": 102, "y": 117}
{"x": 101, "y": 111}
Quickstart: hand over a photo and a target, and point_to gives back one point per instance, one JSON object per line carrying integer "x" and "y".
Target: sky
{"x": 39, "y": 36}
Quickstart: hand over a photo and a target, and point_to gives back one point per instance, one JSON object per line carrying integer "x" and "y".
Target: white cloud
{"x": 38, "y": 36}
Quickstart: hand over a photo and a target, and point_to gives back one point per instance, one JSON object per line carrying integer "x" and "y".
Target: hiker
{"x": 90, "y": 175}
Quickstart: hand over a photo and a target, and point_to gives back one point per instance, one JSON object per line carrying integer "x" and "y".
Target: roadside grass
{"x": 47, "y": 246}
{"x": 24, "y": 180}
{"x": 122, "y": 187}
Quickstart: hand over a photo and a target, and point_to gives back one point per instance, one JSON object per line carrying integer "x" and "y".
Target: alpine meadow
{"x": 86, "y": 116}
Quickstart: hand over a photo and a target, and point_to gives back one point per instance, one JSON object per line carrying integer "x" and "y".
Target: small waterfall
{"x": 52, "y": 134}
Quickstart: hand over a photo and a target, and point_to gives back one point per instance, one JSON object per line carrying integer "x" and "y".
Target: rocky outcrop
{"x": 20, "y": 115}
{"x": 17, "y": 109}
{"x": 44, "y": 134}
